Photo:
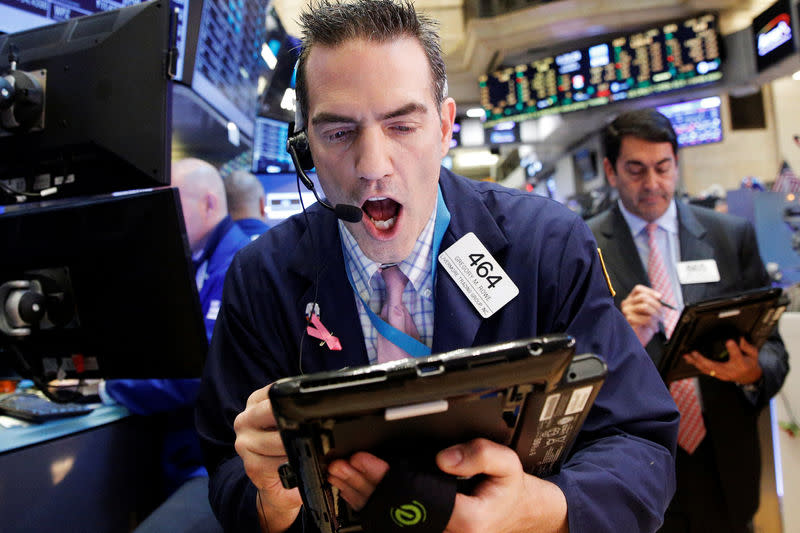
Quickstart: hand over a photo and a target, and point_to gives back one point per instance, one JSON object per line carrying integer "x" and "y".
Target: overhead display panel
{"x": 696, "y": 121}
{"x": 772, "y": 34}
{"x": 667, "y": 58}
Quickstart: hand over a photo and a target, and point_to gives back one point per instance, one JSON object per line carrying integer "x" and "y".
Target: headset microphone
{"x": 297, "y": 146}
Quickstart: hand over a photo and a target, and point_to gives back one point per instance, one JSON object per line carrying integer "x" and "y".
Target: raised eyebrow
{"x": 408, "y": 109}
{"x": 331, "y": 118}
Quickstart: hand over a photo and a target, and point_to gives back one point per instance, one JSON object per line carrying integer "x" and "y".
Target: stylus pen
{"x": 668, "y": 306}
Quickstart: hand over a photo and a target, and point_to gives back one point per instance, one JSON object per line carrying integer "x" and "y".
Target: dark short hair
{"x": 334, "y": 22}
{"x": 645, "y": 124}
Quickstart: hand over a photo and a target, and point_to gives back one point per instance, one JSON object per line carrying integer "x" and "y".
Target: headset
{"x": 300, "y": 152}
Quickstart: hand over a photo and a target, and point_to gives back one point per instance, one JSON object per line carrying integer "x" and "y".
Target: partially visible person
{"x": 644, "y": 238}
{"x": 214, "y": 239}
{"x": 371, "y": 89}
{"x": 246, "y": 202}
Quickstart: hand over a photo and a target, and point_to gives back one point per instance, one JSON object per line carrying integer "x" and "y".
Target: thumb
{"x": 479, "y": 456}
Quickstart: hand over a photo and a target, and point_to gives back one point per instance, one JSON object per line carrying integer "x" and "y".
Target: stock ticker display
{"x": 667, "y": 58}
{"x": 228, "y": 63}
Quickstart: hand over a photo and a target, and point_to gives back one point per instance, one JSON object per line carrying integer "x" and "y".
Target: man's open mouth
{"x": 382, "y": 212}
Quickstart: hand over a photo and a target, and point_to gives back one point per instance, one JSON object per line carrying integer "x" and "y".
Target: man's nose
{"x": 373, "y": 157}
{"x": 650, "y": 178}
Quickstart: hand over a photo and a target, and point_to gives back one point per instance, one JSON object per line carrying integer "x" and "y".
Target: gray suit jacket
{"x": 730, "y": 415}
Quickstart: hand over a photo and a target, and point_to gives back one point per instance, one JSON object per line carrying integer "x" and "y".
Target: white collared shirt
{"x": 370, "y": 287}
{"x": 666, "y": 238}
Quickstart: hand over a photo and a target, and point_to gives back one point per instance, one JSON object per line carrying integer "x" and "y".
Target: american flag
{"x": 787, "y": 180}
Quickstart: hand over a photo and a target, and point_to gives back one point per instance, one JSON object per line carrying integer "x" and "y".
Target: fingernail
{"x": 451, "y": 457}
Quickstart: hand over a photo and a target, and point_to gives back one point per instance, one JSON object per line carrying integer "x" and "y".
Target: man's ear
{"x": 448, "y": 117}
{"x": 611, "y": 176}
{"x": 262, "y": 206}
{"x": 211, "y": 203}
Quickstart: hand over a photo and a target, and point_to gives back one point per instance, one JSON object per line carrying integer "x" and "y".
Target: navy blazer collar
{"x": 456, "y": 321}
{"x": 694, "y": 246}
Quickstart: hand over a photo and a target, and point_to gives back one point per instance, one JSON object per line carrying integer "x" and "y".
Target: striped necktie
{"x": 692, "y": 429}
{"x": 395, "y": 314}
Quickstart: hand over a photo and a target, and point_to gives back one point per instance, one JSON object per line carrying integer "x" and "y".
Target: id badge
{"x": 702, "y": 271}
{"x": 479, "y": 276}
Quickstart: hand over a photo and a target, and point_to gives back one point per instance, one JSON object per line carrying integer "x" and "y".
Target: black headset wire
{"x": 316, "y": 276}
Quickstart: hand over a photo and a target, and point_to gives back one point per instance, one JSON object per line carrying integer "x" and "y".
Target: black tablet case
{"x": 706, "y": 325}
{"x": 530, "y": 394}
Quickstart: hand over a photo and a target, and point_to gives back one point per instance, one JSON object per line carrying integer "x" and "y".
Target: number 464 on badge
{"x": 479, "y": 276}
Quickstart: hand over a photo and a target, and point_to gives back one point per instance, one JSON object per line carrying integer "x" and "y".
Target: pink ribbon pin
{"x": 321, "y": 332}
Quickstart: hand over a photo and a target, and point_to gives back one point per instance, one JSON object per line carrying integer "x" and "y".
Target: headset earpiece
{"x": 299, "y": 143}
{"x": 297, "y": 146}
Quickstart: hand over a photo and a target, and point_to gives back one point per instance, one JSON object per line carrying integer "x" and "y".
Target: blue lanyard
{"x": 399, "y": 338}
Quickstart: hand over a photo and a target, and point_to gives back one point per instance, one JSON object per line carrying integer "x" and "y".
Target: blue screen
{"x": 229, "y": 62}
{"x": 696, "y": 121}
{"x": 269, "y": 147}
{"x": 282, "y": 200}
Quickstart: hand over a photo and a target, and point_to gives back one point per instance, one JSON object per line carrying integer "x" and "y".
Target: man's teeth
{"x": 384, "y": 224}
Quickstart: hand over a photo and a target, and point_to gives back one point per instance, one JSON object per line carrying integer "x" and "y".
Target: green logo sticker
{"x": 409, "y": 514}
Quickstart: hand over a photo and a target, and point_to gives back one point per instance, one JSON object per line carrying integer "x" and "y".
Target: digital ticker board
{"x": 666, "y": 58}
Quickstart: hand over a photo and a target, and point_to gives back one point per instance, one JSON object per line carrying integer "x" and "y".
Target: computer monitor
{"x": 269, "y": 147}
{"x": 228, "y": 63}
{"x": 584, "y": 163}
{"x": 112, "y": 277}
{"x": 276, "y": 95}
{"x": 773, "y": 34}
{"x": 103, "y": 123}
{"x": 695, "y": 121}
{"x": 282, "y": 197}
{"x": 16, "y": 16}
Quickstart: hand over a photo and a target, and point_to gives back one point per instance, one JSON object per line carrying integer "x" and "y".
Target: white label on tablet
{"x": 701, "y": 271}
{"x": 417, "y": 409}
{"x": 549, "y": 407}
{"x": 479, "y": 276}
{"x": 729, "y": 313}
{"x": 578, "y": 400}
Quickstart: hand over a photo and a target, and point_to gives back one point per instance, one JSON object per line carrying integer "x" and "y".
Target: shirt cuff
{"x": 752, "y": 390}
